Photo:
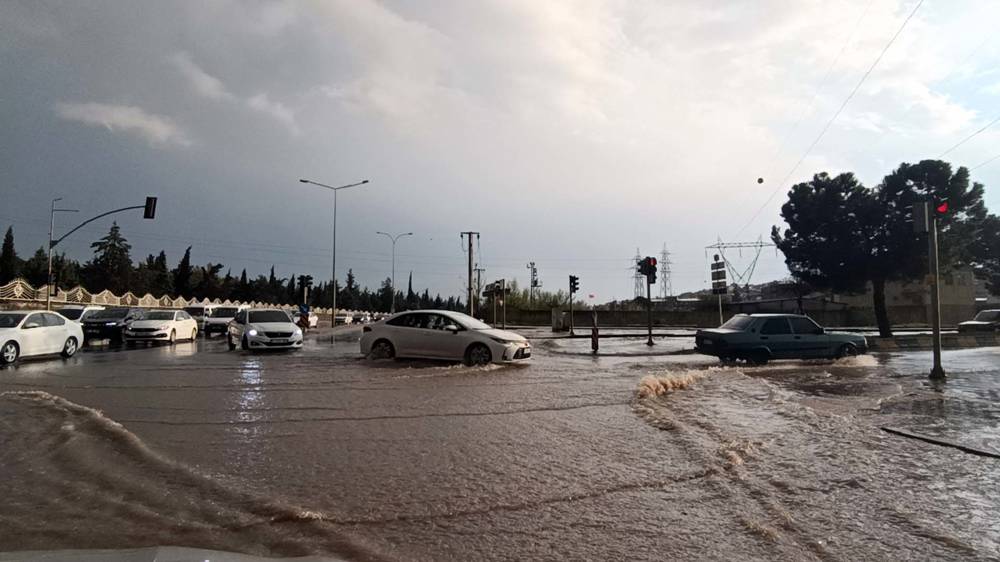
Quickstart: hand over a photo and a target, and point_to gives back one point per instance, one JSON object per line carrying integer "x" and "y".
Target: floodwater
{"x": 618, "y": 456}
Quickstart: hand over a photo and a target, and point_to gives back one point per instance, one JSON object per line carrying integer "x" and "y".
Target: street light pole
{"x": 333, "y": 316}
{"x": 392, "y": 304}
{"x": 52, "y": 224}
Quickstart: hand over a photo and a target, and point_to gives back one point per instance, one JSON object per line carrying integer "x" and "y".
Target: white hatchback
{"x": 162, "y": 325}
{"x": 441, "y": 334}
{"x": 25, "y": 334}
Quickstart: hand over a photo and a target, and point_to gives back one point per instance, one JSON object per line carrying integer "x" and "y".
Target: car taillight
{"x": 366, "y": 329}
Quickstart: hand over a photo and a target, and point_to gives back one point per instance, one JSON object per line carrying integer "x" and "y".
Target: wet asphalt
{"x": 564, "y": 458}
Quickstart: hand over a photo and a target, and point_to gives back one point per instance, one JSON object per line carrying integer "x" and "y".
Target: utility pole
{"x": 471, "y": 287}
{"x": 479, "y": 288}
{"x": 503, "y": 304}
{"x": 532, "y": 279}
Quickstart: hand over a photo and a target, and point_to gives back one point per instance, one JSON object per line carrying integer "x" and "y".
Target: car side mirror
{"x": 31, "y": 325}
{"x": 452, "y": 328}
{"x": 820, "y": 331}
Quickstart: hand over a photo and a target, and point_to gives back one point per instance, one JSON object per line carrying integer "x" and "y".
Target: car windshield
{"x": 738, "y": 323}
{"x": 10, "y": 319}
{"x": 108, "y": 314}
{"x": 268, "y": 316}
{"x": 71, "y": 313}
{"x": 195, "y": 310}
{"x": 225, "y": 312}
{"x": 160, "y": 315}
{"x": 988, "y": 316}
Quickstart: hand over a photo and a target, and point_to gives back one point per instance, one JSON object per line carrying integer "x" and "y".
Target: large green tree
{"x": 111, "y": 267}
{"x": 843, "y": 236}
{"x": 9, "y": 264}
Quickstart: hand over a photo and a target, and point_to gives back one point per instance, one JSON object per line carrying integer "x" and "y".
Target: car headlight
{"x": 111, "y": 323}
{"x": 252, "y": 332}
{"x": 298, "y": 331}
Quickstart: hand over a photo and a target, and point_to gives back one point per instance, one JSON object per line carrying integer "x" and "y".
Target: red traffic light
{"x": 942, "y": 208}
{"x": 652, "y": 262}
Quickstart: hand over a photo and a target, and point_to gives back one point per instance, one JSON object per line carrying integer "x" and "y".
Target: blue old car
{"x": 759, "y": 338}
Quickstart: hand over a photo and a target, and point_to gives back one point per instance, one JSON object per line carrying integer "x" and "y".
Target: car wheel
{"x": 129, "y": 343}
{"x": 70, "y": 347}
{"x": 478, "y": 354}
{"x": 727, "y": 359}
{"x": 230, "y": 342}
{"x": 847, "y": 350}
{"x": 9, "y": 353}
{"x": 194, "y": 334}
{"x": 245, "y": 343}
{"x": 382, "y": 349}
{"x": 758, "y": 358}
{"x": 173, "y": 337}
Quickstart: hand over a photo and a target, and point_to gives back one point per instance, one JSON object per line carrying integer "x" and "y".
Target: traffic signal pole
{"x": 937, "y": 372}
{"x": 649, "y": 314}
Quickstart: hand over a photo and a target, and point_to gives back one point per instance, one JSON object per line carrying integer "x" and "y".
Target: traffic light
{"x": 149, "y": 211}
{"x": 574, "y": 284}
{"x": 647, "y": 267}
{"x": 940, "y": 207}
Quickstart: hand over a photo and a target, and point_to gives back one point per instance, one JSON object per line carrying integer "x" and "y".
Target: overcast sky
{"x": 567, "y": 133}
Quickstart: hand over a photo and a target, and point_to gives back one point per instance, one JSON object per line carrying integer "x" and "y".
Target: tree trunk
{"x": 881, "y": 314}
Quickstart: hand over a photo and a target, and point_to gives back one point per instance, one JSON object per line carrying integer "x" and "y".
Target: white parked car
{"x": 200, "y": 312}
{"x": 440, "y": 334}
{"x": 78, "y": 312}
{"x": 162, "y": 325}
{"x": 219, "y": 318}
{"x": 26, "y": 334}
{"x": 264, "y": 328}
{"x": 343, "y": 318}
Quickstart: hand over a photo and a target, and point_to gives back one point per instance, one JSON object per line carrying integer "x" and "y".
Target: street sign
{"x": 719, "y": 284}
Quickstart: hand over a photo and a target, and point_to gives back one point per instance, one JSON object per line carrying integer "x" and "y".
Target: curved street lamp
{"x": 392, "y": 304}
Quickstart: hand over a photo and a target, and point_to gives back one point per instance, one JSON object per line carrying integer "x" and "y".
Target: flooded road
{"x": 571, "y": 457}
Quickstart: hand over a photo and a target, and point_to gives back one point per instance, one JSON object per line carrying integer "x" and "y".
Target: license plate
{"x": 279, "y": 341}
{"x": 706, "y": 342}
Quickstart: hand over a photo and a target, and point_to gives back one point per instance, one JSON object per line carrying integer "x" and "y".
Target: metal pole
{"x": 503, "y": 305}
{"x": 937, "y": 372}
{"x": 471, "y": 311}
{"x": 571, "y": 333}
{"x": 649, "y": 313}
{"x": 721, "y": 320}
{"x": 392, "y": 307}
{"x": 48, "y": 284}
{"x": 333, "y": 317}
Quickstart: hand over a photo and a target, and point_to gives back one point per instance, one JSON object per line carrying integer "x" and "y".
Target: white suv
{"x": 263, "y": 328}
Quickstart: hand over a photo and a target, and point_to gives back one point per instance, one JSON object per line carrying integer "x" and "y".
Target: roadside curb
{"x": 920, "y": 342}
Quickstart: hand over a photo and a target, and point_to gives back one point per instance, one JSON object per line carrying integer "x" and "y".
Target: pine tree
{"x": 182, "y": 275}
{"x": 112, "y": 264}
{"x": 9, "y": 264}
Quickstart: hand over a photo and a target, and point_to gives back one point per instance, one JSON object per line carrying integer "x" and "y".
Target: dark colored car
{"x": 109, "y": 324}
{"x": 758, "y": 338}
{"x": 985, "y": 321}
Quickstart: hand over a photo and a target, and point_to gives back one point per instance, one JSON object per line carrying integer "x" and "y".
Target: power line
{"x": 981, "y": 164}
{"x": 829, "y": 123}
{"x": 968, "y": 138}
